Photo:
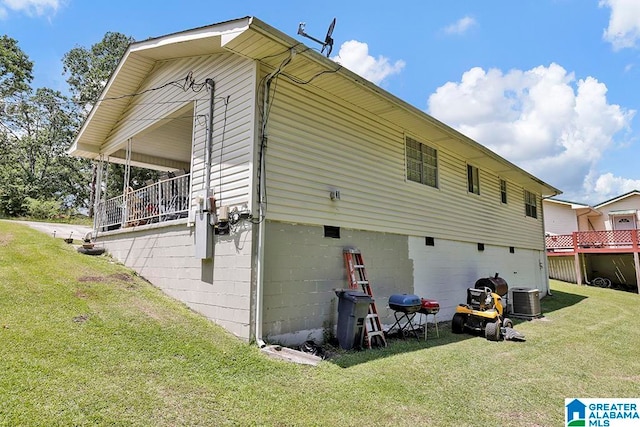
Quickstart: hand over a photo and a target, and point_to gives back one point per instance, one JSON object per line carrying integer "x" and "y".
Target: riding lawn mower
{"x": 484, "y": 310}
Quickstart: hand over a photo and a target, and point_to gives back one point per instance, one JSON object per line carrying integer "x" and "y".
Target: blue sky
{"x": 551, "y": 85}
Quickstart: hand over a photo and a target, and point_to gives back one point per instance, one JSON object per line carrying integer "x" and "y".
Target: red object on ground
{"x": 429, "y": 306}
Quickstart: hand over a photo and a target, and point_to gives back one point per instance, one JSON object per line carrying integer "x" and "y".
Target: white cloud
{"x": 31, "y": 7}
{"x": 354, "y": 55}
{"x": 3, "y": 13}
{"x": 608, "y": 185}
{"x": 541, "y": 119}
{"x": 624, "y": 23}
{"x": 461, "y": 26}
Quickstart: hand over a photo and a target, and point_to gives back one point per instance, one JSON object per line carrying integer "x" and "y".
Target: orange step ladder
{"x": 357, "y": 278}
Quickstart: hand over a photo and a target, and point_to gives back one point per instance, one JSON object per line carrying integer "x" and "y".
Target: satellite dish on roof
{"x": 328, "y": 41}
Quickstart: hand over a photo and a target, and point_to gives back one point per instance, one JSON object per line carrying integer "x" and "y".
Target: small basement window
{"x": 331, "y": 231}
{"x": 429, "y": 241}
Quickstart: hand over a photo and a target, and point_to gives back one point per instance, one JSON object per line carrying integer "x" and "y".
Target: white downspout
{"x": 262, "y": 207}
{"x": 545, "y": 263}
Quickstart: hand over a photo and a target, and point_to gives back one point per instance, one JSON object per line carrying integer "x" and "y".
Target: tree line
{"x": 38, "y": 125}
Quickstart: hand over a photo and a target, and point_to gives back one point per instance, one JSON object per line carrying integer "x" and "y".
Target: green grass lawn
{"x": 83, "y": 341}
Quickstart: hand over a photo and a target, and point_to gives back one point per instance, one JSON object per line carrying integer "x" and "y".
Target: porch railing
{"x": 594, "y": 241}
{"x": 161, "y": 201}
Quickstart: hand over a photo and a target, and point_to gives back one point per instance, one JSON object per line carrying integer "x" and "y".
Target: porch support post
{"x": 576, "y": 258}
{"x": 125, "y": 184}
{"x": 98, "y": 206}
{"x": 636, "y": 261}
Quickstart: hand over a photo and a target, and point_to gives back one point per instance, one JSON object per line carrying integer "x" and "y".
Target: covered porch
{"x": 164, "y": 148}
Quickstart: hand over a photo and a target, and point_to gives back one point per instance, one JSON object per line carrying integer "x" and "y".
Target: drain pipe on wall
{"x": 209, "y": 147}
{"x": 544, "y": 265}
{"x": 262, "y": 198}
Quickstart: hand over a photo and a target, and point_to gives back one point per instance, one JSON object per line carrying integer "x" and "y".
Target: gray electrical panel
{"x": 204, "y": 235}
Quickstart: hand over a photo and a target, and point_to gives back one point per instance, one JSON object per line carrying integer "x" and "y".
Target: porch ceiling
{"x": 253, "y": 39}
{"x": 164, "y": 146}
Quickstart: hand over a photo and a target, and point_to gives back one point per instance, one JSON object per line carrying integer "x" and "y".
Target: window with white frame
{"x": 503, "y": 191}
{"x": 422, "y": 163}
{"x": 530, "y": 204}
{"x": 473, "y": 179}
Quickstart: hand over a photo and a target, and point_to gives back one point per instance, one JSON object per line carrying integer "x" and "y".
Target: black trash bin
{"x": 353, "y": 307}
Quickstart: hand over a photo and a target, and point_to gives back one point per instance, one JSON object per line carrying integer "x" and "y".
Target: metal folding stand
{"x": 426, "y": 321}
{"x": 408, "y": 326}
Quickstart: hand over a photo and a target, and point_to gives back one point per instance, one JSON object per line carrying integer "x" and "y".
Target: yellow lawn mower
{"x": 483, "y": 312}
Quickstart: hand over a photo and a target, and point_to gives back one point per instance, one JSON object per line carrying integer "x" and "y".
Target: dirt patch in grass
{"x": 81, "y": 318}
{"x": 156, "y": 313}
{"x": 123, "y": 277}
{"x": 81, "y": 294}
{"x": 5, "y": 239}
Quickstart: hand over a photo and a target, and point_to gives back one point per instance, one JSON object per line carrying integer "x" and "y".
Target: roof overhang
{"x": 253, "y": 39}
{"x": 618, "y": 198}
{"x": 625, "y": 212}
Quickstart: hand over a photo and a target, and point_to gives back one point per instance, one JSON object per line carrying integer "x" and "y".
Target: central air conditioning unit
{"x": 525, "y": 302}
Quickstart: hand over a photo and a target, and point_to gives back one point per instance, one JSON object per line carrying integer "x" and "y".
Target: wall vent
{"x": 332, "y": 232}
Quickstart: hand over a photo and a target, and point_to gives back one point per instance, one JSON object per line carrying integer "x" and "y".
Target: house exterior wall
{"x": 586, "y": 223}
{"x": 445, "y": 271}
{"x": 559, "y": 218}
{"x": 302, "y": 269}
{"x": 628, "y": 203}
{"x": 318, "y": 144}
{"x": 233, "y": 125}
{"x": 219, "y": 289}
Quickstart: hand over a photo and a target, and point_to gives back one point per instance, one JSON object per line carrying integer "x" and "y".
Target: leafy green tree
{"x": 88, "y": 72}
{"x": 15, "y": 68}
{"x": 37, "y": 130}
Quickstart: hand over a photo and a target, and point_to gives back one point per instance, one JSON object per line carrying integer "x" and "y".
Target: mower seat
{"x": 477, "y": 298}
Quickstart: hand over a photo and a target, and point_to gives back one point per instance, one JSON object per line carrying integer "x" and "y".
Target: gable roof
{"x": 251, "y": 38}
{"x": 573, "y": 205}
{"x": 618, "y": 198}
{"x": 581, "y": 209}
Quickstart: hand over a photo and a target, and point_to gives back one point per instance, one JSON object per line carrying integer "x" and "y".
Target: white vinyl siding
{"x": 233, "y": 124}
{"x": 559, "y": 218}
{"x": 629, "y": 203}
{"x": 319, "y": 143}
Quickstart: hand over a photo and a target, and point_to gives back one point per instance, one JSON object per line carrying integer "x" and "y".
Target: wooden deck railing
{"x": 593, "y": 241}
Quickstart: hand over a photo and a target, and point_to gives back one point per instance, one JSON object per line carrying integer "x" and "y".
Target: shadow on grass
{"x": 397, "y": 345}
{"x": 559, "y": 300}
{"x": 345, "y": 359}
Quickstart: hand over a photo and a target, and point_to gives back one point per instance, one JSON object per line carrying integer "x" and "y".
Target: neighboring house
{"x": 584, "y": 242}
{"x": 304, "y": 159}
{"x": 563, "y": 217}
